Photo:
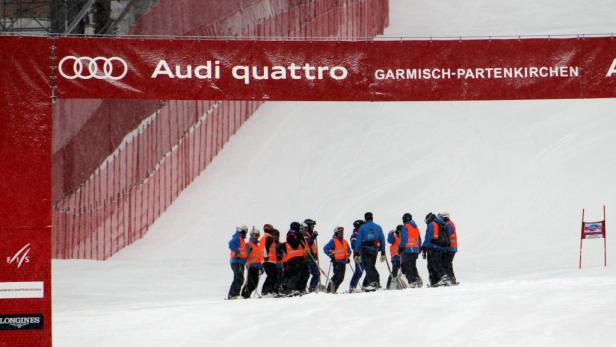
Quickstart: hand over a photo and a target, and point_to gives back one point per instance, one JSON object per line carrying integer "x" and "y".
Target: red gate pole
{"x": 581, "y": 238}
{"x": 604, "y": 240}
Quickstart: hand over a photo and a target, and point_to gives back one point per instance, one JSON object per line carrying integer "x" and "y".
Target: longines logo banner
{"x": 21, "y": 321}
{"x": 353, "y": 71}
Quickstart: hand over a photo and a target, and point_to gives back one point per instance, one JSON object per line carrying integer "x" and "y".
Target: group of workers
{"x": 292, "y": 267}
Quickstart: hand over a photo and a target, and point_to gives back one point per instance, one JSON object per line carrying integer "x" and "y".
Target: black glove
{"x": 315, "y": 233}
{"x": 423, "y": 254}
{"x": 260, "y": 271}
{"x": 348, "y": 260}
{"x": 332, "y": 257}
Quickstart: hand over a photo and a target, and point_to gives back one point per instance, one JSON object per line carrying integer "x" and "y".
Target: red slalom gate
{"x": 594, "y": 230}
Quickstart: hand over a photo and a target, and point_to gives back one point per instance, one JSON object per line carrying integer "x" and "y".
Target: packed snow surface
{"x": 513, "y": 174}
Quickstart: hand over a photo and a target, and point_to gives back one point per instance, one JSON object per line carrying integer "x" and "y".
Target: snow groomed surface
{"x": 513, "y": 175}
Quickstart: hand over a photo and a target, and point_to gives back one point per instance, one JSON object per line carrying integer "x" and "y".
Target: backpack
{"x": 443, "y": 236}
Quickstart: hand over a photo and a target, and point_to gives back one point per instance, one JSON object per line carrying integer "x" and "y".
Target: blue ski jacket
{"x": 353, "y": 241}
{"x": 234, "y": 245}
{"x": 404, "y": 238}
{"x": 427, "y": 244}
{"x": 371, "y": 238}
{"x": 329, "y": 247}
{"x": 430, "y": 233}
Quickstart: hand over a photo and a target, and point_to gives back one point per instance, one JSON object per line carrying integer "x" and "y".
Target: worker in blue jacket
{"x": 339, "y": 251}
{"x": 239, "y": 256}
{"x": 359, "y": 270}
{"x": 370, "y": 242}
{"x": 410, "y": 247}
{"x": 435, "y": 252}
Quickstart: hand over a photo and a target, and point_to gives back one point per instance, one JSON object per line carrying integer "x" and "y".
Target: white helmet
{"x": 443, "y": 215}
{"x": 255, "y": 231}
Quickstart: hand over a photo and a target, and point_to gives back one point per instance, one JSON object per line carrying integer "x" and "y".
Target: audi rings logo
{"x": 85, "y": 68}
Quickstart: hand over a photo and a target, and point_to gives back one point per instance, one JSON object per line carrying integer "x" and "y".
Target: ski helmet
{"x": 399, "y": 228}
{"x": 268, "y": 228}
{"x": 368, "y": 216}
{"x": 339, "y": 231}
{"x": 255, "y": 231}
{"x": 242, "y": 229}
{"x": 430, "y": 218}
{"x": 407, "y": 217}
{"x": 294, "y": 226}
{"x": 443, "y": 215}
{"x": 358, "y": 223}
{"x": 309, "y": 222}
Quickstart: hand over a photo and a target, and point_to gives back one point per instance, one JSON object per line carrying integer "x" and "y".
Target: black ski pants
{"x": 436, "y": 265}
{"x": 368, "y": 260}
{"x": 395, "y": 266}
{"x": 238, "y": 280}
{"x": 409, "y": 266}
{"x": 297, "y": 269}
{"x": 269, "y": 286}
{"x": 305, "y": 276}
{"x": 449, "y": 265}
{"x": 339, "y": 270}
{"x": 252, "y": 281}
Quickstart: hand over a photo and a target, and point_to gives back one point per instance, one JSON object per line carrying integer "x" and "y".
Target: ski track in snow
{"x": 518, "y": 173}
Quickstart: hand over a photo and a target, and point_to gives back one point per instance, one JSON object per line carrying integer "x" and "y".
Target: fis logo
{"x": 612, "y": 70}
{"x": 20, "y": 257}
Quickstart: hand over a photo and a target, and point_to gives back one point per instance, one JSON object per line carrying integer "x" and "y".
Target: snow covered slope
{"x": 518, "y": 174}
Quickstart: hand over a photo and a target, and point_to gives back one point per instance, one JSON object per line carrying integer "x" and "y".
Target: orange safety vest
{"x": 293, "y": 253}
{"x": 341, "y": 249}
{"x": 257, "y": 253}
{"x": 243, "y": 253}
{"x": 436, "y": 231}
{"x": 453, "y": 238}
{"x": 313, "y": 247}
{"x": 394, "y": 249}
{"x": 271, "y": 252}
{"x": 412, "y": 237}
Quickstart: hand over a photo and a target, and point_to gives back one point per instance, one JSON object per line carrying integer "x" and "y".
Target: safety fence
{"x": 109, "y": 189}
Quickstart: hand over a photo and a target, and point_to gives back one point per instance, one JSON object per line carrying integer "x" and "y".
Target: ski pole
{"x": 316, "y": 244}
{"x": 257, "y": 287}
{"x": 327, "y": 282}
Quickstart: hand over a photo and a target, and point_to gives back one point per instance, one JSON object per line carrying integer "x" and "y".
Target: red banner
{"x": 351, "y": 71}
{"x": 25, "y": 188}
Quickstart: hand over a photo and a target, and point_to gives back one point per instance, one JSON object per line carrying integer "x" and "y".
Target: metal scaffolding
{"x": 68, "y": 16}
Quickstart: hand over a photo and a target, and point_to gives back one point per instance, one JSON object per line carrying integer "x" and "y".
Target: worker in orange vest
{"x": 339, "y": 251}
{"x": 393, "y": 238}
{"x": 269, "y": 263}
{"x": 280, "y": 251}
{"x": 435, "y": 246}
{"x": 453, "y": 246}
{"x": 239, "y": 255}
{"x": 295, "y": 259}
{"x": 410, "y": 246}
{"x": 256, "y": 256}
